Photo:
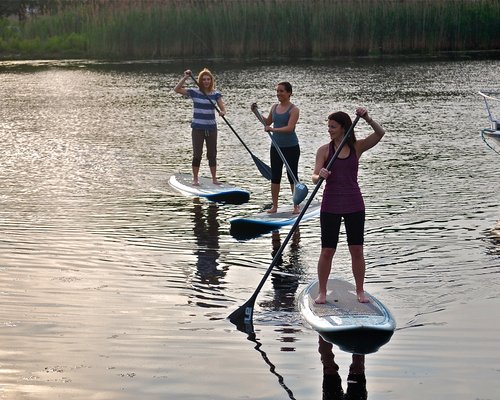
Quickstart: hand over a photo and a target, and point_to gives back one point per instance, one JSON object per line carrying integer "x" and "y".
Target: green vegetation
{"x": 156, "y": 29}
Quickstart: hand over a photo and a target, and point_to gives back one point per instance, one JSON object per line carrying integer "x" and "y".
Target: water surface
{"x": 113, "y": 286}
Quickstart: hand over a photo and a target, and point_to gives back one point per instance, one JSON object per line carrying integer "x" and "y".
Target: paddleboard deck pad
{"x": 222, "y": 193}
{"x": 355, "y": 327}
{"x": 265, "y": 222}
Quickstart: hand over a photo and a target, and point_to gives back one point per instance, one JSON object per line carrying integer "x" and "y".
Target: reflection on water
{"x": 493, "y": 237}
{"x": 332, "y": 381}
{"x": 286, "y": 274}
{"x": 206, "y": 232}
{"x": 272, "y": 368}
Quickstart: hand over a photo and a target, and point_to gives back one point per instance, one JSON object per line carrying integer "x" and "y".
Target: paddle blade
{"x": 264, "y": 169}
{"x": 242, "y": 317}
{"x": 299, "y": 193}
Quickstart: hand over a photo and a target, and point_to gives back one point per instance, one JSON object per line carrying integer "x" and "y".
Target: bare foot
{"x": 272, "y": 210}
{"x": 296, "y": 210}
{"x": 216, "y": 182}
{"x": 362, "y": 298}
{"x": 321, "y": 299}
{"x": 196, "y": 182}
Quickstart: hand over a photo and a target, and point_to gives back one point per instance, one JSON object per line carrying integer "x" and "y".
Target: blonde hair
{"x": 204, "y": 72}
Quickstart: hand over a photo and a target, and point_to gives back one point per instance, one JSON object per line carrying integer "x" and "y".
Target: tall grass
{"x": 257, "y": 28}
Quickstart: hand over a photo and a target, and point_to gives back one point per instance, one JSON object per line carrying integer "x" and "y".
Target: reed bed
{"x": 156, "y": 29}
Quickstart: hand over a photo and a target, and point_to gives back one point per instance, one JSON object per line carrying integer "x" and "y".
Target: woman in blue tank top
{"x": 281, "y": 122}
{"x": 342, "y": 199}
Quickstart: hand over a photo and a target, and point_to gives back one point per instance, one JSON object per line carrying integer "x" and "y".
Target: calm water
{"x": 113, "y": 286}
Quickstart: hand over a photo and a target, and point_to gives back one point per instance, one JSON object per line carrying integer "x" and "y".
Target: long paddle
{"x": 300, "y": 191}
{"x": 243, "y": 316}
{"x": 263, "y": 168}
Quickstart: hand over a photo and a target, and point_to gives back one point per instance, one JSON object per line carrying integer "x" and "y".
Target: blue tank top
{"x": 342, "y": 194}
{"x": 288, "y": 139}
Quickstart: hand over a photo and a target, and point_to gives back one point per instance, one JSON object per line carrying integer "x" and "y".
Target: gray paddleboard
{"x": 343, "y": 320}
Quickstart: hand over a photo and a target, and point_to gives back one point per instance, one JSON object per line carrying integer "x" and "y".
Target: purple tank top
{"x": 342, "y": 194}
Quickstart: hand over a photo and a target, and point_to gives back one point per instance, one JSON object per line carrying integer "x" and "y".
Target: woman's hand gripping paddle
{"x": 263, "y": 168}
{"x": 243, "y": 316}
{"x": 300, "y": 190}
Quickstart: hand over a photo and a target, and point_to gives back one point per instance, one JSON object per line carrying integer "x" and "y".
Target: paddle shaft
{"x": 264, "y": 169}
{"x": 261, "y": 119}
{"x": 248, "y": 306}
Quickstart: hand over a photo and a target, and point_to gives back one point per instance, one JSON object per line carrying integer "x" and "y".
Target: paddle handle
{"x": 257, "y": 113}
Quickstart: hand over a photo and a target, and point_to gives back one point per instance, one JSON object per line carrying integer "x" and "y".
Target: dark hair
{"x": 287, "y": 85}
{"x": 345, "y": 122}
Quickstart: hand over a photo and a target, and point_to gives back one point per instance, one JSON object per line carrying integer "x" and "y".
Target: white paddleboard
{"x": 266, "y": 222}
{"x": 494, "y": 134}
{"x": 353, "y": 326}
{"x": 222, "y": 193}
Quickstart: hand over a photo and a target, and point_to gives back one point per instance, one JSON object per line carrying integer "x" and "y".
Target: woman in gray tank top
{"x": 281, "y": 122}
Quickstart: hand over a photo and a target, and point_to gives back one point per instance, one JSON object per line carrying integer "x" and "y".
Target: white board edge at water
{"x": 283, "y": 217}
{"x": 355, "y": 327}
{"x": 224, "y": 192}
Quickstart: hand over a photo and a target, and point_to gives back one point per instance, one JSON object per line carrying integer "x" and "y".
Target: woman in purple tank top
{"x": 342, "y": 199}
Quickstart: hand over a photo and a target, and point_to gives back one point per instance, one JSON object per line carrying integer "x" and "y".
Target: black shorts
{"x": 330, "y": 228}
{"x": 291, "y": 155}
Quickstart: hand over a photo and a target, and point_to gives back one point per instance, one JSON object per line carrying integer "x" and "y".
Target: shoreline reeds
{"x": 160, "y": 29}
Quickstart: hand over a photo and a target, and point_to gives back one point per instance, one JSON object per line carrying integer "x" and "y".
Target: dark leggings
{"x": 210, "y": 137}
{"x": 292, "y": 155}
{"x": 330, "y": 227}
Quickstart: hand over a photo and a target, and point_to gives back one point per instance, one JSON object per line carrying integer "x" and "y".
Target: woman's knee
{"x": 327, "y": 253}
{"x": 356, "y": 251}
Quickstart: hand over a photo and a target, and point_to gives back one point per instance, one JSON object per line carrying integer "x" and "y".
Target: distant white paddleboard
{"x": 222, "y": 193}
{"x": 353, "y": 326}
{"x": 266, "y": 222}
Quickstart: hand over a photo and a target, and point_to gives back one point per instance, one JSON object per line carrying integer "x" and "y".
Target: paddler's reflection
{"x": 286, "y": 274}
{"x": 206, "y": 232}
{"x": 293, "y": 244}
{"x": 332, "y": 382}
